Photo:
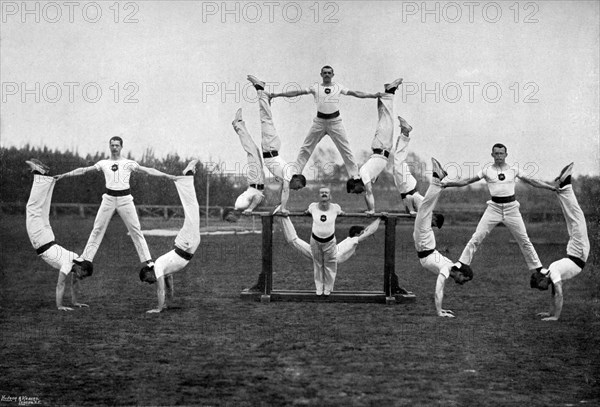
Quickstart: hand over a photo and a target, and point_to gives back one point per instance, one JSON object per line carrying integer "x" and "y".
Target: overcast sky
{"x": 476, "y": 73}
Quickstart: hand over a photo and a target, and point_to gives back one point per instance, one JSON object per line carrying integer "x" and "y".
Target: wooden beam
{"x": 267, "y": 253}
{"x": 379, "y": 297}
{"x": 389, "y": 255}
{"x": 345, "y": 215}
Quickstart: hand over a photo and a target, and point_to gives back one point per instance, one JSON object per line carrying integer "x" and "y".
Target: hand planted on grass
{"x": 80, "y": 305}
{"x": 446, "y": 313}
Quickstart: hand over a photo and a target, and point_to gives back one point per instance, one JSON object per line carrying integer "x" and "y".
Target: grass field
{"x": 212, "y": 349}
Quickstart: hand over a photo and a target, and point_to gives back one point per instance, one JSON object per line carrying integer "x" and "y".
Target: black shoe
{"x": 400, "y": 291}
{"x": 37, "y": 167}
{"x": 438, "y": 171}
{"x": 405, "y": 128}
{"x": 253, "y": 289}
{"x": 565, "y": 175}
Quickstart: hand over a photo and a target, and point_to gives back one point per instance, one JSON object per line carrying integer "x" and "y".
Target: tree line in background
{"x": 586, "y": 187}
{"x": 15, "y": 180}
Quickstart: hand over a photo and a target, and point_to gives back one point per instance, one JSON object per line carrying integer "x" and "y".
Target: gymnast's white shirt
{"x": 117, "y": 172}
{"x": 327, "y": 98}
{"x": 501, "y": 183}
{"x": 324, "y": 221}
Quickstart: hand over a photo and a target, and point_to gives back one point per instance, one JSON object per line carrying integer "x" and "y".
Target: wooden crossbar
{"x": 347, "y": 215}
{"x": 336, "y": 296}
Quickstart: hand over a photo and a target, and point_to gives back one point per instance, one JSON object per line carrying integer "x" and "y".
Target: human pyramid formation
{"x": 323, "y": 248}
{"x": 117, "y": 171}
{"x": 328, "y": 122}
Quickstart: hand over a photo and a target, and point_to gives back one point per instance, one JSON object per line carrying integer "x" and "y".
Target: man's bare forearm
{"x": 460, "y": 183}
{"x": 362, "y": 95}
{"x": 75, "y": 173}
{"x": 538, "y": 183}
{"x": 289, "y": 94}
{"x": 285, "y": 195}
{"x": 558, "y": 300}
{"x": 439, "y": 293}
{"x": 60, "y": 290}
{"x": 156, "y": 173}
{"x": 160, "y": 292}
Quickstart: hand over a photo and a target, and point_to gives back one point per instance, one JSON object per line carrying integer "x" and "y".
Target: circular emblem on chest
{"x": 115, "y": 167}
{"x": 323, "y": 218}
{"x": 501, "y": 177}
{"x": 327, "y": 90}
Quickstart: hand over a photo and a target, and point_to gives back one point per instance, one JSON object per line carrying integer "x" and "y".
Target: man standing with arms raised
{"x": 117, "y": 171}
{"x": 503, "y": 206}
{"x": 323, "y": 245}
{"x": 328, "y": 120}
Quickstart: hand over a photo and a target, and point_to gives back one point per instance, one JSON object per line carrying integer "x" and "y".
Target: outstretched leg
{"x": 381, "y": 146}
{"x": 188, "y": 238}
{"x": 405, "y": 182}
{"x": 579, "y": 243}
{"x": 337, "y": 132}
{"x": 423, "y": 232}
{"x": 105, "y": 213}
{"x": 516, "y": 226}
{"x": 488, "y": 221}
{"x": 253, "y": 196}
{"x": 316, "y": 132}
{"x": 37, "y": 212}
{"x": 128, "y": 213}
{"x": 270, "y": 141}
{"x": 254, "y": 170}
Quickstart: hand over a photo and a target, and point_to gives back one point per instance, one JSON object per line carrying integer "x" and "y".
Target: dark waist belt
{"x": 504, "y": 199}
{"x": 323, "y": 240}
{"x": 45, "y": 247}
{"x": 412, "y": 191}
{"x": 260, "y": 187}
{"x": 577, "y": 261}
{"x": 425, "y": 253}
{"x": 269, "y": 154}
{"x": 112, "y": 192}
{"x": 328, "y": 115}
{"x": 183, "y": 254}
{"x": 385, "y": 153}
